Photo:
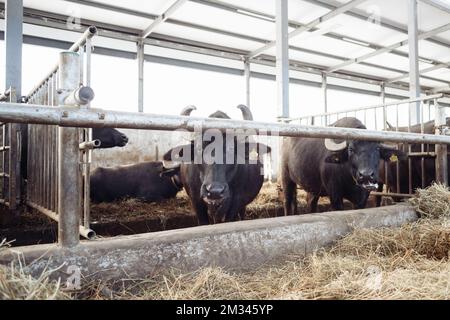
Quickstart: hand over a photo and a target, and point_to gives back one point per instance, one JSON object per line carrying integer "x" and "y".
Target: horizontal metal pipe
{"x": 94, "y": 118}
{"x": 84, "y": 232}
{"x": 80, "y": 96}
{"x": 88, "y": 145}
{"x": 395, "y": 103}
{"x": 393, "y": 195}
{"x": 88, "y": 34}
{"x": 422, "y": 154}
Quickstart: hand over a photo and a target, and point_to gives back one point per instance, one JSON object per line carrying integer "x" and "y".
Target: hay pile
{"x": 16, "y": 284}
{"x": 410, "y": 262}
{"x": 432, "y": 202}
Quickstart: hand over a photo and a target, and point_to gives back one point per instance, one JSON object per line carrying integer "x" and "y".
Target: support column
{"x": 282, "y": 69}
{"x": 140, "y": 59}
{"x": 325, "y": 96}
{"x": 13, "y": 80}
{"x": 414, "y": 80}
{"x": 282, "y": 64}
{"x": 69, "y": 172}
{"x": 13, "y": 45}
{"x": 441, "y": 150}
{"x": 247, "y": 82}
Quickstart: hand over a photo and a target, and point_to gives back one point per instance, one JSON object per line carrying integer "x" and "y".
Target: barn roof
{"x": 330, "y": 36}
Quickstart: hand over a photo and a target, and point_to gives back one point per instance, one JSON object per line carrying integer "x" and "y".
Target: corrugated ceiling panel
{"x": 371, "y": 71}
{"x": 154, "y": 6}
{"x": 329, "y": 45}
{"x": 394, "y": 61}
{"x": 225, "y": 20}
{"x": 431, "y": 83}
{"x": 208, "y": 37}
{"x": 86, "y": 12}
{"x": 312, "y": 59}
{"x": 440, "y": 74}
{"x": 431, "y": 17}
{"x": 430, "y": 50}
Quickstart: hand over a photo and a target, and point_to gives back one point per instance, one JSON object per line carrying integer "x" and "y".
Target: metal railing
{"x": 45, "y": 164}
{"x": 395, "y": 186}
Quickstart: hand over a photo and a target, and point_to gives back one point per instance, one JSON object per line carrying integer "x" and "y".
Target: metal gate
{"x": 43, "y": 150}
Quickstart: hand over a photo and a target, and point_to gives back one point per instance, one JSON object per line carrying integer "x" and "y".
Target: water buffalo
{"x": 108, "y": 138}
{"x": 324, "y": 167}
{"x": 219, "y": 191}
{"x": 146, "y": 181}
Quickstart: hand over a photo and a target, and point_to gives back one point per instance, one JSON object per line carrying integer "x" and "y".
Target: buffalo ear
{"x": 184, "y": 153}
{"x": 337, "y": 157}
{"x": 392, "y": 155}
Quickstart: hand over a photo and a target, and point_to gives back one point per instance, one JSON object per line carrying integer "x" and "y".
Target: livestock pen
{"x": 48, "y": 150}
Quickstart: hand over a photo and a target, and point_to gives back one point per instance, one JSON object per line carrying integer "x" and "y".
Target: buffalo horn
{"x": 333, "y": 146}
{"x": 246, "y": 113}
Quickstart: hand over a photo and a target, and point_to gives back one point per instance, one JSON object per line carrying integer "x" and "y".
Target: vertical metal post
{"x": 282, "y": 63}
{"x": 247, "y": 72}
{"x": 14, "y": 164}
{"x": 140, "y": 59}
{"x": 414, "y": 80}
{"x": 325, "y": 96}
{"x": 441, "y": 150}
{"x": 383, "y": 101}
{"x": 282, "y": 67}
{"x": 13, "y": 80}
{"x": 87, "y": 153}
{"x": 69, "y": 182}
{"x": 13, "y": 45}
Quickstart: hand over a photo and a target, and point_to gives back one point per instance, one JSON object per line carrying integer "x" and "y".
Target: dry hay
{"x": 409, "y": 262}
{"x": 16, "y": 284}
{"x": 432, "y": 202}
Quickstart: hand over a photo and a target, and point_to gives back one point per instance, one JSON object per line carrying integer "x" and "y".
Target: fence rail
{"x": 91, "y": 118}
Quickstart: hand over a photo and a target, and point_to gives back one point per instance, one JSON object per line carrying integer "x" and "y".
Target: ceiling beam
{"x": 177, "y": 4}
{"x": 349, "y": 5}
{"x": 387, "y": 49}
{"x": 421, "y": 72}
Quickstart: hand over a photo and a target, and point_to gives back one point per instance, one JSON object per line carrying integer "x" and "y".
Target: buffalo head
{"x": 362, "y": 158}
{"x": 109, "y": 137}
{"x": 216, "y": 164}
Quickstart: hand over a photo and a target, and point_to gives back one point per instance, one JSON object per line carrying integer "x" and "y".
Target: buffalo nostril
{"x": 215, "y": 189}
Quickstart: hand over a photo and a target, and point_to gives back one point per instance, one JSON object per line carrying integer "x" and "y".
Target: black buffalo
{"x": 219, "y": 191}
{"x": 324, "y": 167}
{"x": 146, "y": 181}
{"x": 108, "y": 138}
